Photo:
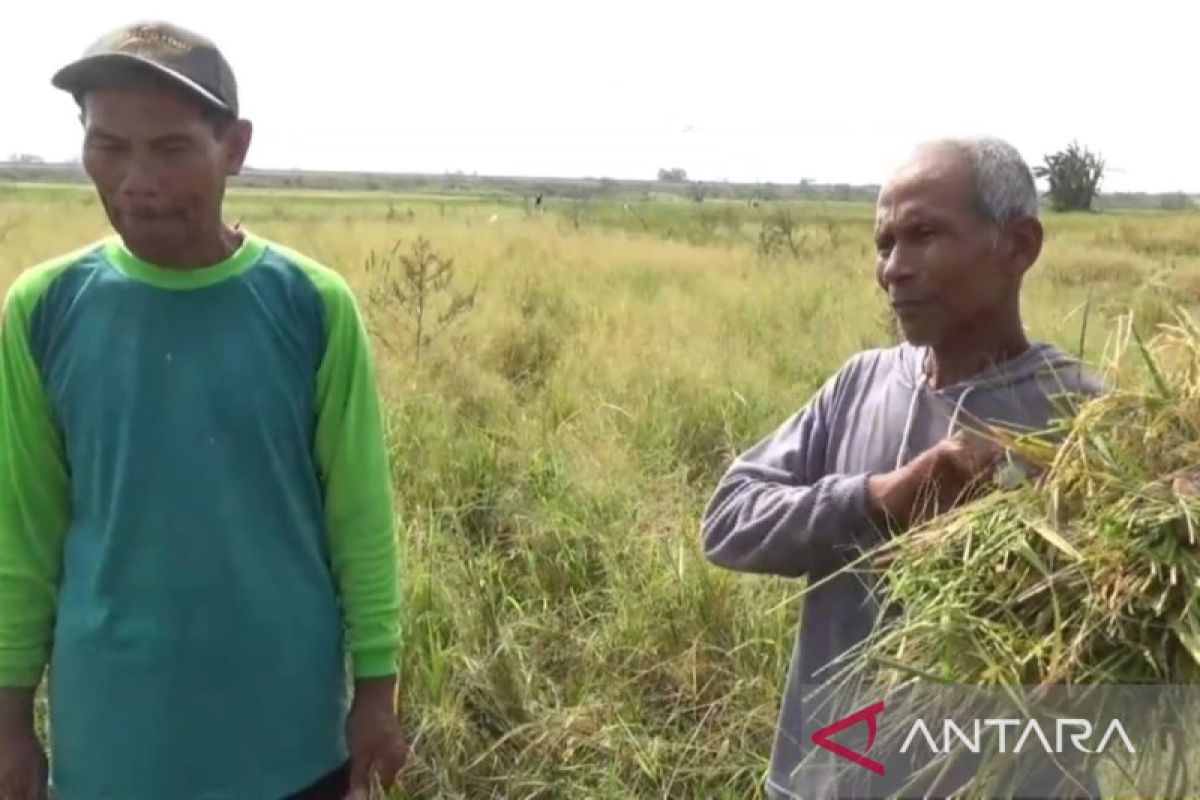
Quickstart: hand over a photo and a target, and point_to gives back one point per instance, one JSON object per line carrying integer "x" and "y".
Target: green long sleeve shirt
{"x": 196, "y": 523}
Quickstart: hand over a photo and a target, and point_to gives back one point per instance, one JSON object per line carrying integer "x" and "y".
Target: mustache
{"x": 117, "y": 208}
{"x": 151, "y": 214}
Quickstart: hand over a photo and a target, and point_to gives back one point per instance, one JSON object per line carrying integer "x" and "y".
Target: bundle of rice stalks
{"x": 1088, "y": 574}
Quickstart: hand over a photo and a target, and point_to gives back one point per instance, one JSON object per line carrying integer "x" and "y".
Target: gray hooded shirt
{"x": 796, "y": 503}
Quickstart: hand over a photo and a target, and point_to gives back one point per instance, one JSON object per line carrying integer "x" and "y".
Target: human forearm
{"x": 23, "y": 764}
{"x": 780, "y": 509}
{"x": 378, "y": 693}
{"x": 368, "y": 582}
{"x": 28, "y": 584}
{"x": 763, "y": 527}
{"x": 940, "y": 478}
{"x": 756, "y": 525}
{"x": 894, "y": 495}
{"x": 16, "y": 709}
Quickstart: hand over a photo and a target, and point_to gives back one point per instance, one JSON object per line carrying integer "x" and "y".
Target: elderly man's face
{"x": 159, "y": 166}
{"x": 943, "y": 267}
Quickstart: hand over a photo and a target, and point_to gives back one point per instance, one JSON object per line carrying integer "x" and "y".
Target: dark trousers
{"x": 333, "y": 786}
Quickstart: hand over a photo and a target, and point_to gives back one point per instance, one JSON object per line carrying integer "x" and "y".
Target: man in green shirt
{"x": 197, "y": 539}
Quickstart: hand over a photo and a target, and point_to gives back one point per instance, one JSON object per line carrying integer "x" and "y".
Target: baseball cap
{"x": 183, "y": 57}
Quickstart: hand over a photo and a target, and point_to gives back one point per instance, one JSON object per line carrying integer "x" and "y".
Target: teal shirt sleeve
{"x": 353, "y": 461}
{"x": 34, "y": 493}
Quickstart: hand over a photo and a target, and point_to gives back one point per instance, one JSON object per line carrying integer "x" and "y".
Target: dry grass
{"x": 564, "y": 638}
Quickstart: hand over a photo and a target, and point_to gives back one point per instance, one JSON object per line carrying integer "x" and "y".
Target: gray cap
{"x": 184, "y": 58}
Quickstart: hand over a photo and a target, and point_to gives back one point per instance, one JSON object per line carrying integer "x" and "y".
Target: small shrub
{"x": 419, "y": 282}
{"x": 781, "y": 233}
{"x": 833, "y": 229}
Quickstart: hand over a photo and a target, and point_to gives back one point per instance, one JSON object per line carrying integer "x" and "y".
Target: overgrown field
{"x": 554, "y": 445}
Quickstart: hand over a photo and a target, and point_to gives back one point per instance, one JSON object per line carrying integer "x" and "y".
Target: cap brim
{"x": 92, "y": 72}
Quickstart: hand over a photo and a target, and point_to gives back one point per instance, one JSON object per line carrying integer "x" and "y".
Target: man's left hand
{"x": 378, "y": 747}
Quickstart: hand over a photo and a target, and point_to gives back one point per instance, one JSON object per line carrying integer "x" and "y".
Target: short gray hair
{"x": 1004, "y": 190}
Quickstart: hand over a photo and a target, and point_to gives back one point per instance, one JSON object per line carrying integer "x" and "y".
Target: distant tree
{"x": 1074, "y": 176}
{"x": 26, "y": 158}
{"x": 676, "y": 174}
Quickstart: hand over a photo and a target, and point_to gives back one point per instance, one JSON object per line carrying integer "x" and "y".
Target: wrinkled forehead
{"x": 140, "y": 111}
{"x": 936, "y": 184}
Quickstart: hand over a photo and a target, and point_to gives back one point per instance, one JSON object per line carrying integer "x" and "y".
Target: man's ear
{"x": 1025, "y": 237}
{"x": 236, "y": 141}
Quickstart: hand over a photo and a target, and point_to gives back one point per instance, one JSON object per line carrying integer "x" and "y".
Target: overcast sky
{"x": 740, "y": 90}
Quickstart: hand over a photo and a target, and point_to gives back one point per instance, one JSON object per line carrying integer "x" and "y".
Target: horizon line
{"x": 74, "y": 165}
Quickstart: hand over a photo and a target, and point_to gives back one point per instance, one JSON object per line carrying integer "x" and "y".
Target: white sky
{"x": 830, "y": 90}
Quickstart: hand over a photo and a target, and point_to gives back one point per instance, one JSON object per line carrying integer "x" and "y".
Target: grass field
{"x": 554, "y": 447}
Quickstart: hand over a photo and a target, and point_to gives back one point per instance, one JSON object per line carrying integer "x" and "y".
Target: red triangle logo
{"x": 821, "y": 737}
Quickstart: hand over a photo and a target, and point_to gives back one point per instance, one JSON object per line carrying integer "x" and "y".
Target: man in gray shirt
{"x": 956, "y": 231}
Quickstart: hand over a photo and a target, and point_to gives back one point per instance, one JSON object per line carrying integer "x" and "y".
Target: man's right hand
{"x": 24, "y": 769}
{"x": 950, "y": 472}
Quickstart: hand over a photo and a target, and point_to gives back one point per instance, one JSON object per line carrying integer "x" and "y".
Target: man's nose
{"x": 896, "y": 267}
{"x": 142, "y": 179}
